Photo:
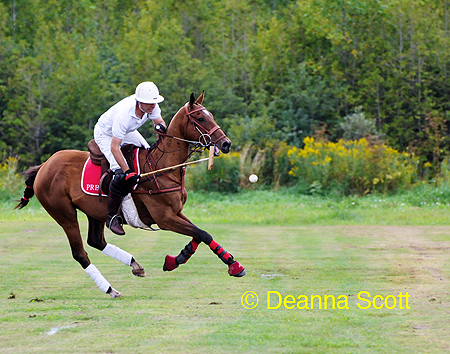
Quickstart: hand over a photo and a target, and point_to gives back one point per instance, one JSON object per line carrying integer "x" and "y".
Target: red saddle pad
{"x": 90, "y": 178}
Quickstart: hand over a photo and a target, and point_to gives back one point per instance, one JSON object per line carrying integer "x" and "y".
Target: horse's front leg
{"x": 181, "y": 224}
{"x": 96, "y": 239}
{"x": 172, "y": 262}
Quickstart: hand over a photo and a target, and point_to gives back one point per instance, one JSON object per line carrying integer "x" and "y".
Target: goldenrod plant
{"x": 10, "y": 180}
{"x": 354, "y": 166}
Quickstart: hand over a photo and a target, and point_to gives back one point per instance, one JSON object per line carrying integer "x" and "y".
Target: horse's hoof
{"x": 236, "y": 270}
{"x": 114, "y": 293}
{"x": 170, "y": 263}
{"x": 138, "y": 270}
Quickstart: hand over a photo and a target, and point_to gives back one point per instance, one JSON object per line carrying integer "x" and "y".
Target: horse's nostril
{"x": 226, "y": 147}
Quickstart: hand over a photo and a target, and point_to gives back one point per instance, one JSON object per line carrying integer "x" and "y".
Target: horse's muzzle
{"x": 225, "y": 146}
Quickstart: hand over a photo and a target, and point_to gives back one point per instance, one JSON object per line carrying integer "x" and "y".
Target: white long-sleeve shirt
{"x": 121, "y": 118}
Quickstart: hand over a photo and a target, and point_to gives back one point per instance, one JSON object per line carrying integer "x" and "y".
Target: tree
{"x": 356, "y": 126}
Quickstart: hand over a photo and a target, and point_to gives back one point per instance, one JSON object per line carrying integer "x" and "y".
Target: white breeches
{"x": 104, "y": 143}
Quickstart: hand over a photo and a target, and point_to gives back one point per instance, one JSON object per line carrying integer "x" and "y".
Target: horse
{"x": 158, "y": 198}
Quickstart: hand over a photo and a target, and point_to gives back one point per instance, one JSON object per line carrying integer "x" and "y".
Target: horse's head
{"x": 201, "y": 126}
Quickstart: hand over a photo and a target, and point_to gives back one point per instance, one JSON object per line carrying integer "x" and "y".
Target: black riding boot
{"x": 112, "y": 219}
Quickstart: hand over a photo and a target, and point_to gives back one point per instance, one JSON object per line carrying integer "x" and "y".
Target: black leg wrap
{"x": 180, "y": 259}
{"x": 223, "y": 252}
{"x": 185, "y": 254}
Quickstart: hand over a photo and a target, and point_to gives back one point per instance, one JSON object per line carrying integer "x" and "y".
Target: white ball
{"x": 253, "y": 178}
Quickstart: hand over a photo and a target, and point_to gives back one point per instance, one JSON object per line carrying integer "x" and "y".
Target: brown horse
{"x": 159, "y": 198}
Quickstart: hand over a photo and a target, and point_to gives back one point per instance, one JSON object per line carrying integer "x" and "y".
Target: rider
{"x": 118, "y": 126}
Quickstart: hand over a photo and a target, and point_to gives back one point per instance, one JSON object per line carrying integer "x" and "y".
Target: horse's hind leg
{"x": 96, "y": 239}
{"x": 66, "y": 217}
{"x": 183, "y": 226}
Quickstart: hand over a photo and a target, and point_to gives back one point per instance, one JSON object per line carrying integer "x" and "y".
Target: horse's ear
{"x": 200, "y": 98}
{"x": 191, "y": 100}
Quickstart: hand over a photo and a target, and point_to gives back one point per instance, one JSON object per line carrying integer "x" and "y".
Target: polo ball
{"x": 253, "y": 178}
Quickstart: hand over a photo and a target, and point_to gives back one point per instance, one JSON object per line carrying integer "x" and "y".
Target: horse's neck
{"x": 172, "y": 151}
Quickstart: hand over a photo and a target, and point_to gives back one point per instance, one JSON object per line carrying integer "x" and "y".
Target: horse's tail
{"x": 29, "y": 190}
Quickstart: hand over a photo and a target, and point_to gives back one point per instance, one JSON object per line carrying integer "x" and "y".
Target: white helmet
{"x": 147, "y": 92}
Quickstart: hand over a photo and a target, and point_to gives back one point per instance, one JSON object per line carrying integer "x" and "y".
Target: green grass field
{"x": 296, "y": 246}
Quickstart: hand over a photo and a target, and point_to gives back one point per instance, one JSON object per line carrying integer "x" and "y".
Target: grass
{"x": 421, "y": 206}
{"x": 418, "y": 207}
{"x": 294, "y": 245}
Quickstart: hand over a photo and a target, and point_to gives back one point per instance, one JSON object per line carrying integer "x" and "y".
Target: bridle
{"x": 205, "y": 139}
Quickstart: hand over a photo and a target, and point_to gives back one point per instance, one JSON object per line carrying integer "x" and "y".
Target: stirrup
{"x": 115, "y": 225}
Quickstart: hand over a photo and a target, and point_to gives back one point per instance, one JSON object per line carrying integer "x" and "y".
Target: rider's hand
{"x": 131, "y": 177}
{"x": 160, "y": 128}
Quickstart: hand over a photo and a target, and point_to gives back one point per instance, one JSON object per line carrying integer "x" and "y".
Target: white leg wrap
{"x": 118, "y": 253}
{"x": 98, "y": 278}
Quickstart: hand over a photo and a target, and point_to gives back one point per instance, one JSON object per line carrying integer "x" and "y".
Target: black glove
{"x": 131, "y": 177}
{"x": 160, "y": 128}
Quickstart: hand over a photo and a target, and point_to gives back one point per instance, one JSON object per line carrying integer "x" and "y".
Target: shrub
{"x": 254, "y": 159}
{"x": 282, "y": 166}
{"x": 356, "y": 126}
{"x": 351, "y": 166}
{"x": 224, "y": 177}
{"x": 10, "y": 180}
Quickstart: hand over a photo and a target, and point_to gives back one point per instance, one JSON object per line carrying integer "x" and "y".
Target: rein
{"x": 151, "y": 162}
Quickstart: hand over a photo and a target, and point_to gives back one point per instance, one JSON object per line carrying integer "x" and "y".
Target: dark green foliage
{"x": 273, "y": 71}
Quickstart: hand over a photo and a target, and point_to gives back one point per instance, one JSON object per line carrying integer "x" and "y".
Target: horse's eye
{"x": 201, "y": 119}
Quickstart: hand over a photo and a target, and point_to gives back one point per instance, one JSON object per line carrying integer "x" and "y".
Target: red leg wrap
{"x": 194, "y": 245}
{"x": 221, "y": 253}
{"x": 213, "y": 245}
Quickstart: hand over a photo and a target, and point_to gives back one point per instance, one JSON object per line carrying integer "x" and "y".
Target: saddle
{"x": 97, "y": 158}
{"x": 97, "y": 176}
